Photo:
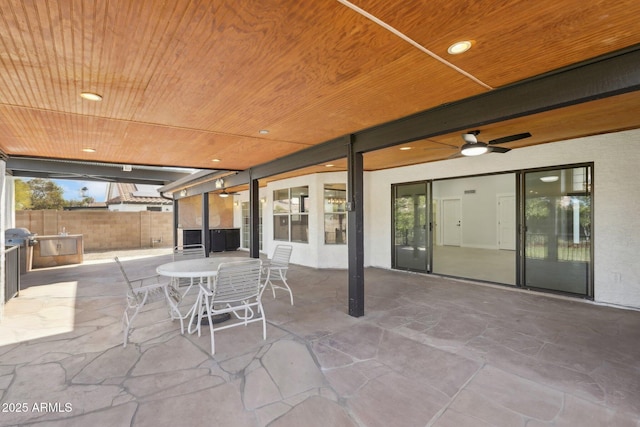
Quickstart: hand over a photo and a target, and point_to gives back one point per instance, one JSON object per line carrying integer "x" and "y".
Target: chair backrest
{"x": 281, "y": 255}
{"x": 188, "y": 252}
{"x": 237, "y": 281}
{"x": 130, "y": 293}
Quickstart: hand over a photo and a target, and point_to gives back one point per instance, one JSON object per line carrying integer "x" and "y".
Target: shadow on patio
{"x": 429, "y": 351}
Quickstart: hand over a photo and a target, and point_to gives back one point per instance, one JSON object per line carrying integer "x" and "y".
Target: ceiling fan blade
{"x": 445, "y": 147}
{"x": 498, "y": 149}
{"x": 510, "y": 138}
{"x": 470, "y": 137}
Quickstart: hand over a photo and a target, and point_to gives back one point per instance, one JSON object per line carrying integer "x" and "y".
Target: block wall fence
{"x": 103, "y": 230}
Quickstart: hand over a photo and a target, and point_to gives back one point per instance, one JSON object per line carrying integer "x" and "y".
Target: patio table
{"x": 196, "y": 268}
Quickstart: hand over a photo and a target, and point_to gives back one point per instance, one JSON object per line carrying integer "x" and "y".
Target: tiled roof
{"x": 127, "y": 194}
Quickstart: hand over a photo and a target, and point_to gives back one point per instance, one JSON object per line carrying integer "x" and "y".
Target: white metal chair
{"x": 139, "y": 294}
{"x": 187, "y": 252}
{"x": 236, "y": 291}
{"x": 276, "y": 269}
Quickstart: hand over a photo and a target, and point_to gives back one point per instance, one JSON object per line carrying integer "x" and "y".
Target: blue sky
{"x": 96, "y": 189}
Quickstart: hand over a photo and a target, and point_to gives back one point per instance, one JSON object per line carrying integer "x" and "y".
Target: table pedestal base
{"x": 216, "y": 318}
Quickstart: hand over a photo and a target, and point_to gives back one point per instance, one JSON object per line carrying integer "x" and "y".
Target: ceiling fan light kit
{"x": 474, "y": 149}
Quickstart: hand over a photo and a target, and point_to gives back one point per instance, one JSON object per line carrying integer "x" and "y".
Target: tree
{"x": 22, "y": 195}
{"x": 85, "y": 201}
{"x": 46, "y": 194}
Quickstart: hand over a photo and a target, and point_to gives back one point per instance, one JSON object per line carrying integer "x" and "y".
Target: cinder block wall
{"x": 103, "y": 230}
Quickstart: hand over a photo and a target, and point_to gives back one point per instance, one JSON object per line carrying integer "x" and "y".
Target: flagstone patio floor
{"x": 430, "y": 351}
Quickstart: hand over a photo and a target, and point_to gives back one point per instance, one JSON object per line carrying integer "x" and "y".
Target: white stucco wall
{"x": 616, "y": 197}
{"x": 315, "y": 253}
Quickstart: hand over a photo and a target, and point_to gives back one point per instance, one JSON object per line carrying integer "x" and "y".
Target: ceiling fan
{"x": 473, "y": 147}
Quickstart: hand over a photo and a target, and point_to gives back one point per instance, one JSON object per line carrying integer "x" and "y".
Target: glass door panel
{"x": 410, "y": 230}
{"x": 474, "y": 228}
{"x": 557, "y": 219}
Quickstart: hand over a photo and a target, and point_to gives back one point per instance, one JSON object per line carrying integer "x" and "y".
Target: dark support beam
{"x": 209, "y": 185}
{"x": 355, "y": 240}
{"x": 254, "y": 218}
{"x": 314, "y": 155}
{"x": 596, "y": 79}
{"x": 176, "y": 221}
{"x": 47, "y": 168}
{"x": 206, "y": 236}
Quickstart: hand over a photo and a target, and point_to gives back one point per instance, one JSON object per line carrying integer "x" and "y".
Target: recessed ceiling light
{"x": 264, "y": 131}
{"x": 328, "y": 166}
{"x": 91, "y": 96}
{"x": 459, "y": 47}
{"x": 550, "y": 178}
{"x": 215, "y": 160}
{"x": 89, "y": 150}
{"x": 405, "y": 148}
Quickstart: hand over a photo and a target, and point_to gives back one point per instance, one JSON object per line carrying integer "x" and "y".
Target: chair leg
{"x": 174, "y": 311}
{"x": 283, "y": 277}
{"x": 129, "y": 323}
{"x": 211, "y": 332}
{"x": 264, "y": 321}
{"x": 125, "y": 321}
{"x": 267, "y": 281}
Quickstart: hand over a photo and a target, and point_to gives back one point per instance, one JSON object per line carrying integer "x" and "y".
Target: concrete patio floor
{"x": 429, "y": 351}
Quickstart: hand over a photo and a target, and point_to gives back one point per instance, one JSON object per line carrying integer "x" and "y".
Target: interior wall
{"x": 478, "y": 205}
{"x": 616, "y": 200}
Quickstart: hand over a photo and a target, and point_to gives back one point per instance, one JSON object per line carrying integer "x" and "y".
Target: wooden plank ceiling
{"x": 186, "y": 82}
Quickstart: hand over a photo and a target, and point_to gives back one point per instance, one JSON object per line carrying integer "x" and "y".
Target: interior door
{"x": 410, "y": 227}
{"x": 452, "y": 222}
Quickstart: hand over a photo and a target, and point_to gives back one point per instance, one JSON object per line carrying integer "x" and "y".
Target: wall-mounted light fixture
{"x": 183, "y": 193}
{"x": 219, "y": 183}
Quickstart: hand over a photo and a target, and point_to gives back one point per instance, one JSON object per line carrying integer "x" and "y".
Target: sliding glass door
{"x": 410, "y": 226}
{"x": 557, "y": 224}
{"x": 529, "y": 229}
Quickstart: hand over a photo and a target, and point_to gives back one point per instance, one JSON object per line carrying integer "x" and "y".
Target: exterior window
{"x": 335, "y": 216}
{"x": 245, "y": 224}
{"x": 291, "y": 214}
